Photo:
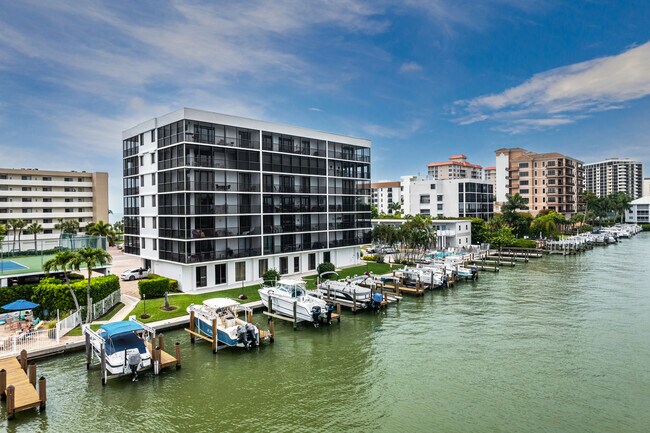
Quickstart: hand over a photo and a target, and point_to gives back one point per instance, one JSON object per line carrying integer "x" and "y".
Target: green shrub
{"x": 326, "y": 267}
{"x": 13, "y": 293}
{"x": 155, "y": 286}
{"x": 271, "y": 276}
{"x": 523, "y": 243}
{"x": 645, "y": 227}
{"x": 370, "y": 258}
{"x": 54, "y": 295}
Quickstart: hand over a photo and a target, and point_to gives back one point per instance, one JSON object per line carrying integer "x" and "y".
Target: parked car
{"x": 134, "y": 274}
{"x": 390, "y": 250}
{"x": 120, "y": 246}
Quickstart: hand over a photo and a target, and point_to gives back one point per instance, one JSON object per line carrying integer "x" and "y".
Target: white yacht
{"x": 286, "y": 293}
{"x": 345, "y": 290}
{"x": 231, "y": 330}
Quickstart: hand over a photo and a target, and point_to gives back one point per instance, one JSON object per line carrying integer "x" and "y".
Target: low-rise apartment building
{"x": 639, "y": 211}
{"x": 449, "y": 233}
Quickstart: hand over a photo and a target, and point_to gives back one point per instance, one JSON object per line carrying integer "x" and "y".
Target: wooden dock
{"x": 18, "y": 385}
{"x": 164, "y": 359}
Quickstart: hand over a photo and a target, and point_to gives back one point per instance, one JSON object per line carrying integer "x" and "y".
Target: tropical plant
{"x": 395, "y": 207}
{"x": 92, "y": 258}
{"x": 3, "y": 232}
{"x": 67, "y": 226}
{"x": 271, "y": 276}
{"x": 64, "y": 261}
{"x": 100, "y": 228}
{"x": 34, "y": 229}
{"x": 16, "y": 226}
{"x": 119, "y": 226}
{"x": 547, "y": 224}
{"x": 374, "y": 213}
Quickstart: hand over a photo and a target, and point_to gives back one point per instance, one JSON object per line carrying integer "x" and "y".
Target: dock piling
{"x": 161, "y": 341}
{"x": 295, "y": 315}
{"x": 178, "y": 354}
{"x": 103, "y": 364}
{"x": 354, "y": 301}
{"x": 23, "y": 360}
{"x": 89, "y": 352}
{"x": 249, "y": 316}
{"x": 3, "y": 383}
{"x": 272, "y": 328}
{"x": 11, "y": 402}
{"x": 214, "y": 336}
{"x": 42, "y": 392}
{"x": 192, "y": 338}
{"x": 32, "y": 374}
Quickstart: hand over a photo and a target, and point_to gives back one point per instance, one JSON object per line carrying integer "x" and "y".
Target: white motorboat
{"x": 122, "y": 342}
{"x": 287, "y": 293}
{"x": 231, "y": 330}
{"x": 345, "y": 290}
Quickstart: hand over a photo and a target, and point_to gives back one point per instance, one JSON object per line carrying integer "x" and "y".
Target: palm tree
{"x": 100, "y": 228}
{"x": 514, "y": 203}
{"x": 64, "y": 261}
{"x": 17, "y": 225}
{"x": 92, "y": 257}
{"x": 34, "y": 229}
{"x": 3, "y": 232}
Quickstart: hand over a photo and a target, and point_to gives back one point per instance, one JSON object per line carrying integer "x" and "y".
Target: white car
{"x": 134, "y": 274}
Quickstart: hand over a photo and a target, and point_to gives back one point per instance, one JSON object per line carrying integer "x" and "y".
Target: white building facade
{"x": 614, "y": 175}
{"x": 639, "y": 211}
{"x": 214, "y": 200}
{"x": 646, "y": 187}
{"x": 45, "y": 196}
{"x": 449, "y": 198}
{"x": 449, "y": 233}
{"x": 386, "y": 195}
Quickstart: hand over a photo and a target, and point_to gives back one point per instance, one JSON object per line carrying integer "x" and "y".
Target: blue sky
{"x": 422, "y": 79}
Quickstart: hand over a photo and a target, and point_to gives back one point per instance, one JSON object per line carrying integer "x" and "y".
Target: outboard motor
{"x": 250, "y": 334}
{"x": 445, "y": 283}
{"x": 315, "y": 314}
{"x": 376, "y": 301}
{"x": 474, "y": 272}
{"x": 242, "y": 336}
{"x": 330, "y": 309}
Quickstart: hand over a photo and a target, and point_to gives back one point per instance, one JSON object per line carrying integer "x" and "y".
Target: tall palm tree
{"x": 514, "y": 203}
{"x": 3, "y": 232}
{"x": 17, "y": 225}
{"x": 64, "y": 261}
{"x": 92, "y": 257}
{"x": 34, "y": 229}
{"x": 10, "y": 225}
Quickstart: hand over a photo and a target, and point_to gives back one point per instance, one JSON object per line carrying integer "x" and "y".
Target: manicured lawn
{"x": 182, "y": 301}
{"x": 374, "y": 268}
{"x": 112, "y": 312}
{"x": 76, "y": 332}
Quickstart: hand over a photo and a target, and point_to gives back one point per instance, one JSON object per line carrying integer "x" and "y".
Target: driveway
{"x": 122, "y": 262}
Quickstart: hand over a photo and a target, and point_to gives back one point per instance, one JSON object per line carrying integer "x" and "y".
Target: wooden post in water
{"x": 89, "y": 353}
{"x": 272, "y": 329}
{"x": 3, "y": 383}
{"x": 158, "y": 365}
{"x": 214, "y": 336}
{"x": 161, "y": 341}
{"x": 103, "y": 364}
{"x": 249, "y": 316}
{"x": 270, "y": 304}
{"x": 192, "y": 338}
{"x": 396, "y": 285}
{"x": 11, "y": 402}
{"x": 178, "y": 355}
{"x": 354, "y": 301}
{"x": 32, "y": 374}
{"x": 42, "y": 392}
{"x": 23, "y": 360}
{"x": 295, "y": 315}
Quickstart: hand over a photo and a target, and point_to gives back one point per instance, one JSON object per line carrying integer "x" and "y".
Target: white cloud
{"x": 563, "y": 95}
{"x": 409, "y": 67}
{"x": 315, "y": 109}
{"x": 403, "y": 130}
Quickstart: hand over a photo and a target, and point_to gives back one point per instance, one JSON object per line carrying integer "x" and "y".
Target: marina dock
{"x": 18, "y": 385}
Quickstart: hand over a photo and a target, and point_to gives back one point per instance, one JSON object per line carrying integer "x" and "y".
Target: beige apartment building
{"x": 44, "y": 197}
{"x": 456, "y": 168}
{"x": 545, "y": 180}
{"x": 491, "y": 175}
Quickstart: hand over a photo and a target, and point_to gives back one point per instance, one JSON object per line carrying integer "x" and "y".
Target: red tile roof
{"x": 461, "y": 164}
{"x": 490, "y": 168}
{"x": 459, "y": 156}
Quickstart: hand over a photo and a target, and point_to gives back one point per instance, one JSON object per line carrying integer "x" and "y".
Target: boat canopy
{"x": 117, "y": 328}
{"x": 288, "y": 282}
{"x": 220, "y": 303}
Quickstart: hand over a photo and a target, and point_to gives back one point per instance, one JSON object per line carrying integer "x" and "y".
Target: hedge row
{"x": 523, "y": 243}
{"x": 645, "y": 227}
{"x": 155, "y": 286}
{"x": 52, "y": 294}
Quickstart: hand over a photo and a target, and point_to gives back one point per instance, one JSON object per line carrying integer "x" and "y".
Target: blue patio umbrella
{"x": 19, "y": 305}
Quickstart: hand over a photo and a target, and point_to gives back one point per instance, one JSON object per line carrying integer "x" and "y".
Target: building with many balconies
{"x": 214, "y": 200}
{"x": 614, "y": 175}
{"x": 456, "y": 168}
{"x": 45, "y": 196}
{"x": 544, "y": 180}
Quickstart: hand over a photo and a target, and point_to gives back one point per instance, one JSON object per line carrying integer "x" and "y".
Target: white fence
{"x": 44, "y": 338}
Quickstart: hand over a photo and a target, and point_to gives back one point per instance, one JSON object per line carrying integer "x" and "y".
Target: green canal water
{"x": 561, "y": 344}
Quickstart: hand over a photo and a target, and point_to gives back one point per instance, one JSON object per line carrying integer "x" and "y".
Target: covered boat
{"x": 231, "y": 330}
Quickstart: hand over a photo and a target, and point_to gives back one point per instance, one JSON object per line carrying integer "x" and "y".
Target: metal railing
{"x": 100, "y": 308}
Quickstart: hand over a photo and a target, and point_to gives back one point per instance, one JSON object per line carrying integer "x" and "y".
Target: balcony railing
{"x": 209, "y": 209}
{"x": 349, "y": 156}
{"x": 349, "y": 208}
{"x": 349, "y": 191}
{"x": 348, "y": 242}
{"x": 290, "y": 248}
{"x": 292, "y": 209}
{"x": 294, "y": 228}
{"x": 297, "y": 189}
{"x": 219, "y": 232}
{"x": 209, "y": 255}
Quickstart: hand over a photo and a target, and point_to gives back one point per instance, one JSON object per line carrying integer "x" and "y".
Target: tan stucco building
{"x": 545, "y": 180}
{"x": 45, "y": 196}
{"x": 456, "y": 168}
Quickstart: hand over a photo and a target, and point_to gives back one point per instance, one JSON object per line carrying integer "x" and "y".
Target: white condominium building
{"x": 214, "y": 200}
{"x": 614, "y": 175}
{"x": 45, "y": 196}
{"x": 386, "y": 196}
